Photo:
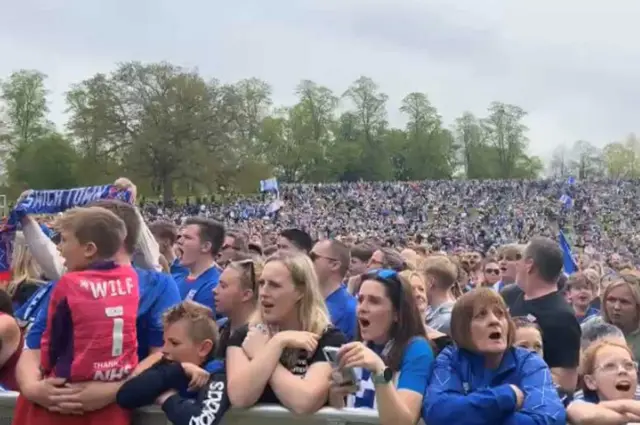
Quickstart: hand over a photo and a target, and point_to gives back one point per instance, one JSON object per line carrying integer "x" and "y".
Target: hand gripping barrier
{"x": 259, "y": 415}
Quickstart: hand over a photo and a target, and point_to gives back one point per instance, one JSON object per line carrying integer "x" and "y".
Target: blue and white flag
{"x": 50, "y": 202}
{"x": 567, "y": 201}
{"x": 269, "y": 185}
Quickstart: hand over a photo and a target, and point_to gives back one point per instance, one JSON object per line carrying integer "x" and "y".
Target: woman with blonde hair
{"x": 419, "y": 288}
{"x": 26, "y": 274}
{"x": 621, "y": 307}
{"x": 284, "y": 341}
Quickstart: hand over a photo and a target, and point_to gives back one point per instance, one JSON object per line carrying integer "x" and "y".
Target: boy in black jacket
{"x": 186, "y": 381}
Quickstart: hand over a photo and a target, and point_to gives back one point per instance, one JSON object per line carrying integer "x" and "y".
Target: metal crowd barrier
{"x": 259, "y": 415}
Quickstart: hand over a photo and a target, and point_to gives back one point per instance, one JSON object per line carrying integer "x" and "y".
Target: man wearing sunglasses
{"x": 331, "y": 259}
{"x": 234, "y": 242}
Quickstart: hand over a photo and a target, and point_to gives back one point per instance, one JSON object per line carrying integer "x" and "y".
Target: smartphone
{"x": 349, "y": 376}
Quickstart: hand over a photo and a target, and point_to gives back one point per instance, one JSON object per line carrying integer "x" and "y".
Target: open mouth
{"x": 623, "y": 386}
{"x": 503, "y": 269}
{"x": 364, "y": 323}
{"x": 266, "y": 305}
{"x": 495, "y": 336}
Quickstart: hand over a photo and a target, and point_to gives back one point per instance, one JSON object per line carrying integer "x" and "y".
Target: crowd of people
{"x": 438, "y": 301}
{"x": 447, "y": 214}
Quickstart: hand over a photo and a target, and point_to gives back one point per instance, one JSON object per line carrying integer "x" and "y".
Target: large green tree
{"x": 50, "y": 161}
{"x": 176, "y": 132}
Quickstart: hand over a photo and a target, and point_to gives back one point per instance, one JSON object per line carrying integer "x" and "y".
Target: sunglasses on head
{"x": 250, "y": 265}
{"x": 390, "y": 279}
{"x": 382, "y": 274}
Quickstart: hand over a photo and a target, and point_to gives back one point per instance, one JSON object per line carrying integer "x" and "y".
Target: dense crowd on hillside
{"x": 445, "y": 214}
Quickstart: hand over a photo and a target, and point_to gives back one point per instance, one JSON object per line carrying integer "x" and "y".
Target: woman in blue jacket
{"x": 483, "y": 379}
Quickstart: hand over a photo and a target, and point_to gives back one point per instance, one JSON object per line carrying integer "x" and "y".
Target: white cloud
{"x": 573, "y": 65}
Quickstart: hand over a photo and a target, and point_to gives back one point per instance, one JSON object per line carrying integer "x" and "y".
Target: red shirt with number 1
{"x": 90, "y": 336}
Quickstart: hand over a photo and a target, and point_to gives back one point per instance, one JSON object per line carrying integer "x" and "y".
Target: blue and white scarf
{"x": 26, "y": 314}
{"x": 366, "y": 394}
{"x": 50, "y": 202}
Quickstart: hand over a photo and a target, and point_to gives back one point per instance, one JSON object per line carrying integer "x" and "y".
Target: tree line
{"x": 616, "y": 160}
{"x": 175, "y": 132}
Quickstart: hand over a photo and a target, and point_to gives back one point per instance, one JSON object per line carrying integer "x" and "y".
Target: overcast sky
{"x": 573, "y": 65}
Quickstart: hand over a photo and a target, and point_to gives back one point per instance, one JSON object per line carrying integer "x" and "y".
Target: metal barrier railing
{"x": 264, "y": 415}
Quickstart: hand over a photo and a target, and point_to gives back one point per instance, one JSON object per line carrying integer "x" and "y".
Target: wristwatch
{"x": 382, "y": 378}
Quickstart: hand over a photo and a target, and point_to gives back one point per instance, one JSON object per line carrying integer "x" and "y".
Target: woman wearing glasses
{"x": 278, "y": 357}
{"x": 392, "y": 357}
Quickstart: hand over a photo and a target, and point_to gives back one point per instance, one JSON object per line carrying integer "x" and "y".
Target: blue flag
{"x": 567, "y": 201}
{"x": 269, "y": 185}
{"x": 50, "y": 202}
{"x": 569, "y": 264}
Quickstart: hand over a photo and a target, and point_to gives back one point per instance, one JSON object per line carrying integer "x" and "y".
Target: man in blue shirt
{"x": 331, "y": 259}
{"x": 158, "y": 292}
{"x": 200, "y": 242}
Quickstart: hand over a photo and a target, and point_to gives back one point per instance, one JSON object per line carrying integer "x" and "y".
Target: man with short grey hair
{"x": 596, "y": 328}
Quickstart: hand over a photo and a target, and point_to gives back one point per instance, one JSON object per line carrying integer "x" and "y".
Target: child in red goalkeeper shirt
{"x": 91, "y": 325}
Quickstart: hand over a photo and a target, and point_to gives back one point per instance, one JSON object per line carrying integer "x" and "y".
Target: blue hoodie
{"x": 462, "y": 387}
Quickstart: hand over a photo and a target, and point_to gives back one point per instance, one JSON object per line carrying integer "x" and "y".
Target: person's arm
{"x": 43, "y": 250}
{"x": 583, "y": 413}
{"x": 9, "y": 337}
{"x": 307, "y": 395}
{"x": 402, "y": 405}
{"x": 541, "y": 404}
{"x": 148, "y": 246}
{"x": 563, "y": 358}
{"x": 53, "y": 332}
{"x": 209, "y": 408}
{"x": 87, "y": 397}
{"x": 144, "y": 389}
{"x": 247, "y": 379}
{"x": 302, "y": 396}
{"x": 28, "y": 374}
{"x": 446, "y": 401}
